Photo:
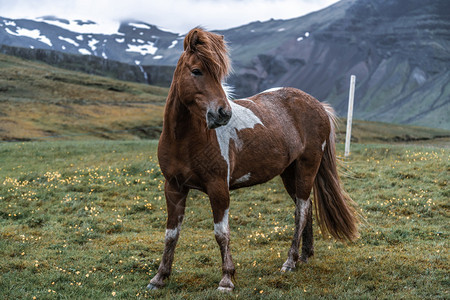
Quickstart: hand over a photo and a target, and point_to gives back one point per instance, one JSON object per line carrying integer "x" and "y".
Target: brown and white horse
{"x": 213, "y": 144}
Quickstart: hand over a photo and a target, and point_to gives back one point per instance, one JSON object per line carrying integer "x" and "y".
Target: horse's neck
{"x": 177, "y": 119}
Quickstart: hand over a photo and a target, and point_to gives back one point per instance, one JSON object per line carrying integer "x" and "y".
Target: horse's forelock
{"x": 211, "y": 49}
{"x": 191, "y": 40}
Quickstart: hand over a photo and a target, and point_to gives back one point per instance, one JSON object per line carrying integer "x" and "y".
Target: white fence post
{"x": 351, "y": 96}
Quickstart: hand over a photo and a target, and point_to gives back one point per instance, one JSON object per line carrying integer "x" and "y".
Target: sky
{"x": 178, "y": 16}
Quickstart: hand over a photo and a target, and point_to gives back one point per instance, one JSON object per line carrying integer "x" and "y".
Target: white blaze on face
{"x": 241, "y": 118}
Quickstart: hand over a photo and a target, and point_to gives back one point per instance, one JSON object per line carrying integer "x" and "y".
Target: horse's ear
{"x": 195, "y": 40}
{"x": 191, "y": 41}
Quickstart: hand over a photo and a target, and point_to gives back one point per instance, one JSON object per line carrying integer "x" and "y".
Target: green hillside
{"x": 40, "y": 102}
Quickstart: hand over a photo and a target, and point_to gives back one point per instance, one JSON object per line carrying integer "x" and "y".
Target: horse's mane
{"x": 212, "y": 51}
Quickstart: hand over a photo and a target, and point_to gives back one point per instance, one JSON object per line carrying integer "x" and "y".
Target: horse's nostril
{"x": 223, "y": 113}
{"x": 218, "y": 117}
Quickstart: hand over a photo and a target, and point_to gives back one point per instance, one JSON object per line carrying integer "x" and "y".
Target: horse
{"x": 214, "y": 144}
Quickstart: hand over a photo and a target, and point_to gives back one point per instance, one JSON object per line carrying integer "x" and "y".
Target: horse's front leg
{"x": 219, "y": 197}
{"x": 176, "y": 203}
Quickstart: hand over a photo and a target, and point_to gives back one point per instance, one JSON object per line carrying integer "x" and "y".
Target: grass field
{"x": 86, "y": 220}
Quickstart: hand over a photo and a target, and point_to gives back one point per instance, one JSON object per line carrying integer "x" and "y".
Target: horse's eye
{"x": 196, "y": 72}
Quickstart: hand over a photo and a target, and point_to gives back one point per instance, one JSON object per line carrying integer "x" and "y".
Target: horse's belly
{"x": 249, "y": 179}
{"x": 259, "y": 164}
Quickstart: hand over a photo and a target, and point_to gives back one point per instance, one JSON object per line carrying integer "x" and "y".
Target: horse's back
{"x": 292, "y": 124}
{"x": 295, "y": 113}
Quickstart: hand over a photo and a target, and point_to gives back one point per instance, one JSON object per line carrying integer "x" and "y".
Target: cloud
{"x": 176, "y": 15}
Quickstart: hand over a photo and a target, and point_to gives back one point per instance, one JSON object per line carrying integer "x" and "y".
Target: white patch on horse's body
{"x": 241, "y": 118}
{"x": 242, "y": 179}
{"x": 272, "y": 90}
{"x": 221, "y": 228}
{"x": 173, "y": 233}
{"x": 301, "y": 213}
{"x": 303, "y": 206}
{"x": 245, "y": 99}
{"x": 323, "y": 145}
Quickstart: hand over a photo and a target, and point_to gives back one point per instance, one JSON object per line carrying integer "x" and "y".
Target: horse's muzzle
{"x": 218, "y": 118}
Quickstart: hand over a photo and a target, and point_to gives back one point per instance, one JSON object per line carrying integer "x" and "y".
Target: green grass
{"x": 86, "y": 220}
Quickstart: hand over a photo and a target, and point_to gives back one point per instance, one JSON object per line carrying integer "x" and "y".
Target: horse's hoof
{"x": 287, "y": 269}
{"x": 152, "y": 287}
{"x": 225, "y": 289}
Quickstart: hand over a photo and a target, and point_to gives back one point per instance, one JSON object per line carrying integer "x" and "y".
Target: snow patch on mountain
{"x": 142, "y": 49}
{"x": 140, "y": 25}
{"x": 174, "y": 43}
{"x": 300, "y": 38}
{"x": 9, "y": 23}
{"x": 84, "y": 51}
{"x": 34, "y": 34}
{"x": 92, "y": 44}
{"x": 83, "y": 26}
{"x": 68, "y": 40}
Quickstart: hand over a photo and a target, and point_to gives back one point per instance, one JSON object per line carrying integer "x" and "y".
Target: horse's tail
{"x": 335, "y": 210}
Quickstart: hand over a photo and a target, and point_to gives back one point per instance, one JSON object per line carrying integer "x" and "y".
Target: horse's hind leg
{"x": 307, "y": 237}
{"x": 298, "y": 179}
{"x": 176, "y": 203}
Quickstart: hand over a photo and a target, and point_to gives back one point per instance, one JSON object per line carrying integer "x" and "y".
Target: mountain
{"x": 399, "y": 51}
{"x": 134, "y": 42}
{"x": 150, "y": 74}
